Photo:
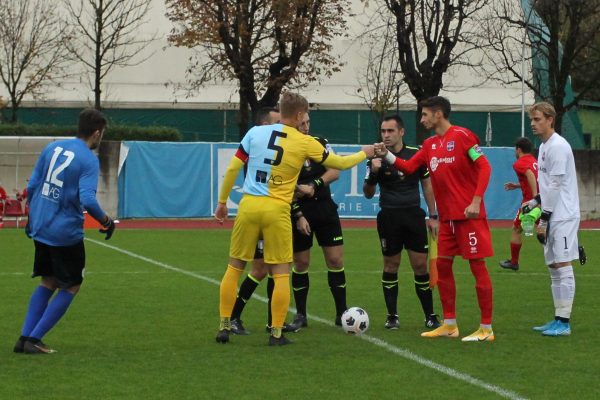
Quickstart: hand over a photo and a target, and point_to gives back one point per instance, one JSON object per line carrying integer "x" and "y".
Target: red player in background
{"x": 527, "y": 172}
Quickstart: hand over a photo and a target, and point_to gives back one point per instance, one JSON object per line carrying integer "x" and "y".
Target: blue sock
{"x": 37, "y": 306}
{"x": 56, "y": 309}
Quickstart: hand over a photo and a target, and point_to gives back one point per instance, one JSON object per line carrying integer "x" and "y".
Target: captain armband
{"x": 475, "y": 152}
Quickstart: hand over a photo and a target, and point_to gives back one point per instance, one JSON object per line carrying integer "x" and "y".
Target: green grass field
{"x": 144, "y": 323}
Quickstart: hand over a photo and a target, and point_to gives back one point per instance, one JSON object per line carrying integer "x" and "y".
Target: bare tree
{"x": 107, "y": 35}
{"x": 32, "y": 49}
{"x": 542, "y": 44}
{"x": 263, "y": 44}
{"x": 379, "y": 81}
{"x": 432, "y": 36}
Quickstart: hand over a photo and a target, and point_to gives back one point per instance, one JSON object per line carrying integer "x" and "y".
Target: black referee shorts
{"x": 400, "y": 228}
{"x": 66, "y": 264}
{"x": 324, "y": 222}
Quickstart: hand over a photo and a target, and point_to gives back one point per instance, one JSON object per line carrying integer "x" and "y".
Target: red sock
{"x": 446, "y": 287}
{"x": 483, "y": 286}
{"x": 515, "y": 249}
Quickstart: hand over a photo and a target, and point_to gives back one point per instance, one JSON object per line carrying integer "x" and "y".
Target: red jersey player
{"x": 459, "y": 174}
{"x": 527, "y": 172}
{"x": 3, "y": 198}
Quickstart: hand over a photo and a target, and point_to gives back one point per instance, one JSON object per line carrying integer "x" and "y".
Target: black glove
{"x": 582, "y": 256}
{"x": 108, "y": 228}
{"x": 541, "y": 238}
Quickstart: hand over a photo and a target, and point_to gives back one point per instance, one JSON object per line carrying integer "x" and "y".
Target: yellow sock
{"x": 281, "y": 299}
{"x": 228, "y": 291}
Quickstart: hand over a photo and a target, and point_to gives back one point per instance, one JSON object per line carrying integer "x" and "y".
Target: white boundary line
{"x": 404, "y": 353}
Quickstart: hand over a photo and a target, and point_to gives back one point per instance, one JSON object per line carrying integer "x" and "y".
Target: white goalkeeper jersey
{"x": 556, "y": 166}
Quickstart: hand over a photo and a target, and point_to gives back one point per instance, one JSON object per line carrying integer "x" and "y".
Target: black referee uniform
{"x": 401, "y": 225}
{"x": 321, "y": 213}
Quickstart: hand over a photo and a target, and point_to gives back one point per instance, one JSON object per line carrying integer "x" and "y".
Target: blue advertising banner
{"x": 165, "y": 180}
{"x": 183, "y": 179}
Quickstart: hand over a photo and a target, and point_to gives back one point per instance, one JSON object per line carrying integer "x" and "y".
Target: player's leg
{"x": 68, "y": 264}
{"x": 391, "y": 247}
{"x": 447, "y": 249}
{"x": 244, "y": 236}
{"x": 300, "y": 280}
{"x": 561, "y": 248}
{"x": 516, "y": 241}
{"x": 476, "y": 245}
{"x": 389, "y": 284}
{"x": 277, "y": 233}
{"x": 41, "y": 295}
{"x": 247, "y": 288}
{"x": 280, "y": 303}
{"x": 418, "y": 262}
{"x": 336, "y": 278}
{"x": 328, "y": 231}
{"x": 414, "y": 232}
{"x": 270, "y": 287}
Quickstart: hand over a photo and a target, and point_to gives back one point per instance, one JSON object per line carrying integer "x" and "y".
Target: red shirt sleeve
{"x": 468, "y": 139}
{"x": 483, "y": 178}
{"x": 411, "y": 165}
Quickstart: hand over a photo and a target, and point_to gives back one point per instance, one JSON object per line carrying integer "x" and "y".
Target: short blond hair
{"x": 292, "y": 103}
{"x": 545, "y": 108}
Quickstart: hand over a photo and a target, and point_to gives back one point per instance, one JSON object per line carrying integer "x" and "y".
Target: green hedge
{"x": 113, "y": 132}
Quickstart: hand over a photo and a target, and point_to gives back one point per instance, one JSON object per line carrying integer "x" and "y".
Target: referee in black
{"x": 401, "y": 222}
{"x": 315, "y": 214}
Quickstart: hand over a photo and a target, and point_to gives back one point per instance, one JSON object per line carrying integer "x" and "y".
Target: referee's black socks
{"x": 300, "y": 286}
{"x": 424, "y": 293}
{"x": 337, "y": 284}
{"x": 389, "y": 283}
{"x": 247, "y": 287}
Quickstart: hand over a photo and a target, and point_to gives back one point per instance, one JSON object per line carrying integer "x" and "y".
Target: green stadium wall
{"x": 339, "y": 126}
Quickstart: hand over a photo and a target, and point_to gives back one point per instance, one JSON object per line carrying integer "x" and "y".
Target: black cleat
{"x": 392, "y": 322}
{"x": 432, "y": 322}
{"x": 298, "y": 323}
{"x": 237, "y": 327}
{"x": 280, "y": 341}
{"x": 36, "y": 347}
{"x": 268, "y": 328}
{"x": 223, "y": 336}
{"x": 507, "y": 264}
{"x": 338, "y": 320}
{"x": 20, "y": 345}
{"x": 582, "y": 256}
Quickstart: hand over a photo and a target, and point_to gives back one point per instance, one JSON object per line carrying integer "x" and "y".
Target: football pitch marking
{"x": 402, "y": 352}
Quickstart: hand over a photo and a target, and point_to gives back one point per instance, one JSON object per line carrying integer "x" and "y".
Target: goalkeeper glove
{"x": 544, "y": 224}
{"x": 528, "y": 206}
{"x": 108, "y": 227}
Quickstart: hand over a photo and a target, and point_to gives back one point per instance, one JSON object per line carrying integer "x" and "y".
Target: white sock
{"x": 555, "y": 287}
{"x": 567, "y": 291}
{"x": 450, "y": 321}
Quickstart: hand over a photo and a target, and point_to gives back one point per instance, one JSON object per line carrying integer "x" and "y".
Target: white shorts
{"x": 562, "y": 244}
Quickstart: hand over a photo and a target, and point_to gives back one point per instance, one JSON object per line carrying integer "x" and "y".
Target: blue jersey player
{"x": 62, "y": 185}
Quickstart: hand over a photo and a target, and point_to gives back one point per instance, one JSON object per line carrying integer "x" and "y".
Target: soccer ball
{"x": 355, "y": 321}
